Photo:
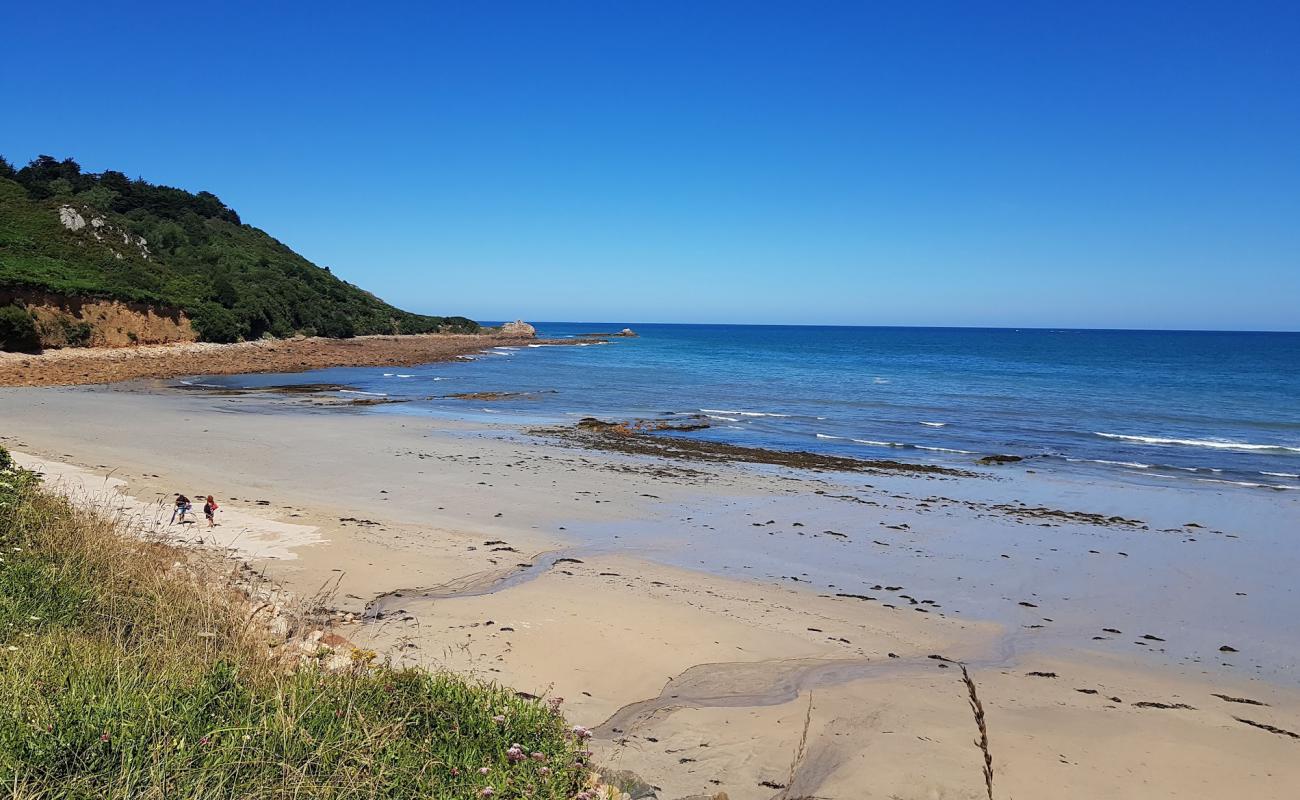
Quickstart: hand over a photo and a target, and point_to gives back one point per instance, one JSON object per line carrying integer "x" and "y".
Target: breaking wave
{"x": 1216, "y": 444}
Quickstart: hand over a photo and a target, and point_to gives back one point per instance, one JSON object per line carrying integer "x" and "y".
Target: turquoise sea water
{"x": 1194, "y": 407}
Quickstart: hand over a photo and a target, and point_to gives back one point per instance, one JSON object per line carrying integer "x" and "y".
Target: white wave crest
{"x": 1280, "y": 474}
{"x": 1247, "y": 484}
{"x": 742, "y": 413}
{"x": 358, "y": 391}
{"x": 1217, "y": 444}
{"x": 828, "y": 436}
{"x": 934, "y": 424}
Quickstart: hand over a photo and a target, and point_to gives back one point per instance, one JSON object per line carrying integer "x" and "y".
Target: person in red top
{"x": 209, "y": 510}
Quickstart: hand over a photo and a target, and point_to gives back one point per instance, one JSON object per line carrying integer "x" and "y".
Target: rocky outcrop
{"x": 101, "y": 230}
{"x": 999, "y": 459}
{"x": 518, "y": 328}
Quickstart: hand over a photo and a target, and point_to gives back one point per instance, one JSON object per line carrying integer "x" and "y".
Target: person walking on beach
{"x": 182, "y": 508}
{"x": 209, "y": 510}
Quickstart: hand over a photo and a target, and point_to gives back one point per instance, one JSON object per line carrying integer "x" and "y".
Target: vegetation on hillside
{"x": 175, "y": 249}
{"x": 125, "y": 674}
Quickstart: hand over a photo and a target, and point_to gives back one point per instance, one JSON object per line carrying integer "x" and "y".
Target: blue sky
{"x": 1085, "y": 164}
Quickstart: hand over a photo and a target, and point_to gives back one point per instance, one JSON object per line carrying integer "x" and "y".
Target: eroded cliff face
{"x": 66, "y": 321}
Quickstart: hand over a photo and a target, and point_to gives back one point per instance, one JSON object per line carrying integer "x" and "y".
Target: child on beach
{"x": 182, "y": 508}
{"x": 209, "y": 509}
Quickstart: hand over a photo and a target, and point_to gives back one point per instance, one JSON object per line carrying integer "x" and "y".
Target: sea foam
{"x": 742, "y": 413}
{"x": 1217, "y": 444}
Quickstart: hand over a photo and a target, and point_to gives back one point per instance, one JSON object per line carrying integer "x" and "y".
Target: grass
{"x": 126, "y": 672}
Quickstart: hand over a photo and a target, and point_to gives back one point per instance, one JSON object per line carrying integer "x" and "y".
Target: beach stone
{"x": 518, "y": 328}
{"x": 279, "y": 628}
{"x": 629, "y": 783}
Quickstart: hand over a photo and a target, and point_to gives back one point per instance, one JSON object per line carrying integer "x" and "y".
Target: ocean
{"x": 1201, "y": 408}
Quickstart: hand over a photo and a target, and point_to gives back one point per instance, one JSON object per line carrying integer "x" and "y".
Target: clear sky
{"x": 1128, "y": 164}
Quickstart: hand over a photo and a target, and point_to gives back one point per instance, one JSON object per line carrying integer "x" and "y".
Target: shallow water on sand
{"x": 1200, "y": 408}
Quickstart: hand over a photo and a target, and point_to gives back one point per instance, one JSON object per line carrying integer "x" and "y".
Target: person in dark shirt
{"x": 182, "y": 508}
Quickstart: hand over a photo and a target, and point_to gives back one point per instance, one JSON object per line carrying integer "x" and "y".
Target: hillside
{"x": 104, "y": 259}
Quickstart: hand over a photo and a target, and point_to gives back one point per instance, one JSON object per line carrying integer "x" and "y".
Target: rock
{"x": 627, "y": 332}
{"x": 518, "y": 328}
{"x": 1002, "y": 459}
{"x": 279, "y": 628}
{"x": 71, "y": 219}
{"x": 629, "y": 783}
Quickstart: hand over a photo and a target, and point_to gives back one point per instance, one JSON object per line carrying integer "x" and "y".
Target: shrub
{"x": 18, "y": 330}
{"x": 217, "y": 324}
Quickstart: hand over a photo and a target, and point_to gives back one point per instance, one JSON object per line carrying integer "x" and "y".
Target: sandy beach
{"x": 763, "y": 631}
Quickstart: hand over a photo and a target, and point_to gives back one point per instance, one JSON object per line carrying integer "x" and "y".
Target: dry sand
{"x": 763, "y": 686}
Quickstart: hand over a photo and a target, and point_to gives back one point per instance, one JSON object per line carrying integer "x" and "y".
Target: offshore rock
{"x": 993, "y": 460}
{"x": 518, "y": 328}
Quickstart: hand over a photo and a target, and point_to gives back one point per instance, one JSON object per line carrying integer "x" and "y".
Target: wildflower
{"x": 515, "y": 753}
{"x": 544, "y": 771}
{"x": 487, "y": 791}
{"x": 206, "y": 740}
{"x": 499, "y": 718}
{"x": 555, "y": 703}
{"x": 581, "y": 732}
{"x": 483, "y": 770}
{"x": 455, "y": 771}
{"x": 539, "y": 756}
{"x": 103, "y": 737}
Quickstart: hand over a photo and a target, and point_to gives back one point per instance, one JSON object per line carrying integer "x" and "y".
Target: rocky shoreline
{"x": 644, "y": 438}
{"x": 82, "y": 366}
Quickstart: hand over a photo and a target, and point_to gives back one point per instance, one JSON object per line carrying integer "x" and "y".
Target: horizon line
{"x": 898, "y": 327}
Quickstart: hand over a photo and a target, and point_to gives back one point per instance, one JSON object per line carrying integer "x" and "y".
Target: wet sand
{"x": 730, "y": 626}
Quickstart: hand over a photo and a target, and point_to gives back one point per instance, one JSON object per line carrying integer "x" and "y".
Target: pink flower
{"x": 103, "y": 737}
{"x": 539, "y": 756}
{"x": 515, "y": 753}
{"x": 455, "y": 771}
{"x": 555, "y": 702}
{"x": 205, "y": 740}
{"x": 486, "y": 791}
{"x": 499, "y": 718}
{"x": 483, "y": 770}
{"x": 544, "y": 771}
{"x": 581, "y": 732}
